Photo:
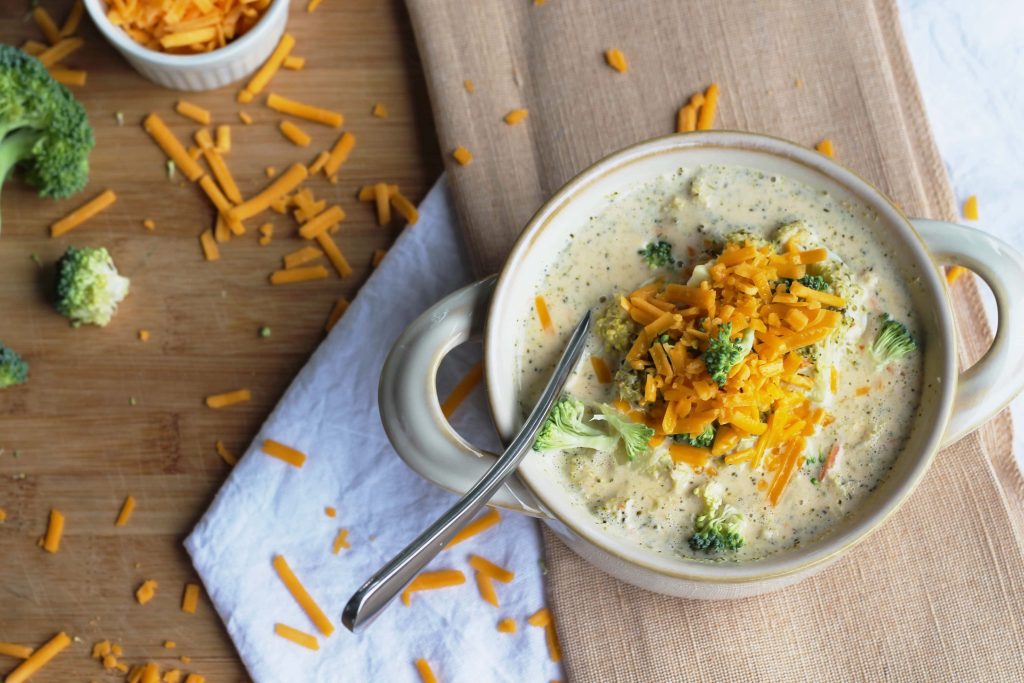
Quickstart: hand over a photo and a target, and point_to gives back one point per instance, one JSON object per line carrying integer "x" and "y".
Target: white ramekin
{"x": 207, "y": 71}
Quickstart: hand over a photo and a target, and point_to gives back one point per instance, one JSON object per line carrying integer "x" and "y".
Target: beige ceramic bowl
{"x": 207, "y": 71}
{"x": 956, "y": 404}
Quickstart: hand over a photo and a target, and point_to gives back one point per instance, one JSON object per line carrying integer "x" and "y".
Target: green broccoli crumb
{"x": 723, "y": 353}
{"x": 657, "y": 254}
{"x": 892, "y": 343}
{"x": 614, "y": 326}
{"x": 702, "y": 440}
{"x": 719, "y": 526}
{"x": 635, "y": 435}
{"x": 13, "y": 368}
{"x": 265, "y": 331}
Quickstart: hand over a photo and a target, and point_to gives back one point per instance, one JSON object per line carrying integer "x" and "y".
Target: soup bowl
{"x": 952, "y": 403}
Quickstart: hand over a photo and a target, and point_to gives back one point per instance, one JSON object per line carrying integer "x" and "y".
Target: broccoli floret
{"x": 814, "y": 282}
{"x": 89, "y": 288}
{"x": 13, "y": 368}
{"x": 719, "y": 526}
{"x": 564, "y": 428}
{"x": 43, "y": 128}
{"x": 723, "y": 353}
{"x": 630, "y": 383}
{"x": 742, "y": 237}
{"x": 892, "y": 343}
{"x": 635, "y": 435}
{"x": 795, "y": 230}
{"x": 702, "y": 440}
{"x": 616, "y": 328}
{"x": 657, "y": 254}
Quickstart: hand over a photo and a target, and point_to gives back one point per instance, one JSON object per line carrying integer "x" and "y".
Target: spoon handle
{"x": 374, "y": 595}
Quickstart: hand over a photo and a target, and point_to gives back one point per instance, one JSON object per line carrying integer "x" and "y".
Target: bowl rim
{"x": 122, "y": 41}
{"x": 831, "y": 545}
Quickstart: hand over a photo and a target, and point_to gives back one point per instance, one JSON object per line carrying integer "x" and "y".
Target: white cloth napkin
{"x": 267, "y": 507}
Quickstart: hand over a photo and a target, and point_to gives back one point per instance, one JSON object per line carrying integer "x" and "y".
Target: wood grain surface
{"x": 72, "y": 438}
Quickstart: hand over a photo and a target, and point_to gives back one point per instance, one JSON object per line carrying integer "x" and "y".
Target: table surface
{"x": 105, "y": 415}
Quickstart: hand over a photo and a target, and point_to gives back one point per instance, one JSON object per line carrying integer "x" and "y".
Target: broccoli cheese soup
{"x": 753, "y": 370}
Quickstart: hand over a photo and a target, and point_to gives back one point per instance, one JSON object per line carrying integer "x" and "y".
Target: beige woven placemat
{"x": 938, "y": 593}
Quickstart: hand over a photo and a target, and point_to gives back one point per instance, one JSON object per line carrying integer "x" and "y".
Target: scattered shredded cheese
{"x": 228, "y": 399}
{"x": 463, "y": 389}
{"x": 83, "y": 213}
{"x": 468, "y": 85}
{"x": 378, "y": 256}
{"x": 709, "y": 108}
{"x": 16, "y": 651}
{"x": 223, "y": 138}
{"x": 339, "y": 153}
{"x": 334, "y": 255}
{"x": 288, "y": 454}
{"x": 380, "y": 192}
{"x": 368, "y": 193}
{"x": 170, "y": 644}
{"x": 319, "y": 163}
{"x": 479, "y": 525}
{"x": 616, "y": 60}
{"x": 379, "y": 110}
{"x": 826, "y": 148}
{"x": 223, "y": 175}
{"x": 305, "y": 111}
{"x": 126, "y": 511}
{"x": 304, "y": 255}
{"x": 971, "y": 208}
{"x": 516, "y": 116}
{"x": 281, "y": 186}
{"x": 298, "y": 637}
{"x": 507, "y": 626}
{"x": 425, "y": 672}
{"x": 295, "y": 134}
{"x": 339, "y": 309}
{"x": 54, "y": 531}
{"x": 210, "y": 250}
{"x": 52, "y": 55}
{"x": 38, "y": 659}
{"x": 331, "y": 511}
{"x": 403, "y": 206}
{"x": 293, "y": 275}
{"x": 494, "y": 571}
{"x": 270, "y": 67}
{"x": 190, "y": 598}
{"x": 485, "y": 584}
{"x": 46, "y": 24}
{"x": 194, "y": 112}
{"x": 463, "y": 156}
{"x": 302, "y": 596}
{"x": 75, "y": 77}
{"x": 149, "y": 224}
{"x": 542, "y": 618}
{"x": 146, "y": 591}
{"x": 340, "y": 541}
{"x": 543, "y": 316}
{"x": 321, "y": 223}
{"x": 167, "y": 141}
{"x": 601, "y": 371}
{"x": 245, "y": 118}
{"x": 954, "y": 274}
{"x": 224, "y": 453}
{"x": 686, "y": 121}
{"x": 444, "y": 578}
{"x": 294, "y": 63}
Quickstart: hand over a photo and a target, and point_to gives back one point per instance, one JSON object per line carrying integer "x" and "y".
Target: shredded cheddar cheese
{"x": 146, "y": 592}
{"x": 54, "y": 531}
{"x": 507, "y": 626}
{"x": 288, "y": 454}
{"x": 485, "y": 584}
{"x": 163, "y": 137}
{"x": 228, "y": 399}
{"x": 52, "y": 55}
{"x": 378, "y": 256}
{"x": 425, "y": 672}
{"x": 190, "y": 598}
{"x": 601, "y": 371}
{"x": 477, "y": 526}
{"x": 463, "y": 389}
{"x": 245, "y": 118}
{"x": 263, "y": 75}
{"x": 83, "y": 213}
{"x": 516, "y": 116}
{"x": 494, "y": 571}
{"x": 708, "y": 109}
{"x": 194, "y": 112}
{"x": 463, "y": 156}
{"x": 305, "y": 111}
{"x": 224, "y": 453}
{"x": 334, "y": 255}
{"x": 302, "y": 274}
{"x": 339, "y": 153}
{"x": 76, "y": 77}
{"x": 955, "y": 273}
{"x": 542, "y": 619}
{"x": 210, "y": 250}
{"x": 444, "y": 578}
{"x": 302, "y": 596}
{"x": 319, "y": 163}
{"x": 826, "y": 148}
{"x": 126, "y": 511}
{"x": 686, "y": 120}
{"x": 16, "y": 651}
{"x": 295, "y": 134}
{"x": 281, "y": 186}
{"x": 298, "y": 637}
{"x": 322, "y": 223}
{"x": 971, "y": 208}
{"x": 294, "y": 63}
{"x": 469, "y": 86}
{"x": 46, "y": 24}
{"x": 340, "y": 306}
{"x": 301, "y": 256}
{"x": 616, "y": 60}
{"x": 340, "y": 541}
{"x": 403, "y": 206}
{"x": 379, "y": 111}
{"x": 38, "y": 659}
{"x": 543, "y": 317}
{"x": 223, "y": 145}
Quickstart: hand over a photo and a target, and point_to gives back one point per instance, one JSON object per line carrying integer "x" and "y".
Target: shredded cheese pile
{"x": 680, "y": 397}
{"x": 185, "y": 26}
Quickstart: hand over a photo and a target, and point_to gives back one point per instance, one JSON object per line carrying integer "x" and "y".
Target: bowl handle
{"x": 411, "y": 411}
{"x": 990, "y": 384}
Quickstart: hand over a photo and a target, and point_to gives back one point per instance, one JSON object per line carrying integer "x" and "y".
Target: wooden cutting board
{"x": 105, "y": 415}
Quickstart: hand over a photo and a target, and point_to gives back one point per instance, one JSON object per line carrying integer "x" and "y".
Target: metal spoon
{"x": 374, "y": 595}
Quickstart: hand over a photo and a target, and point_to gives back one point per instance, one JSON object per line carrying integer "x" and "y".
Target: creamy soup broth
{"x": 694, "y": 209}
